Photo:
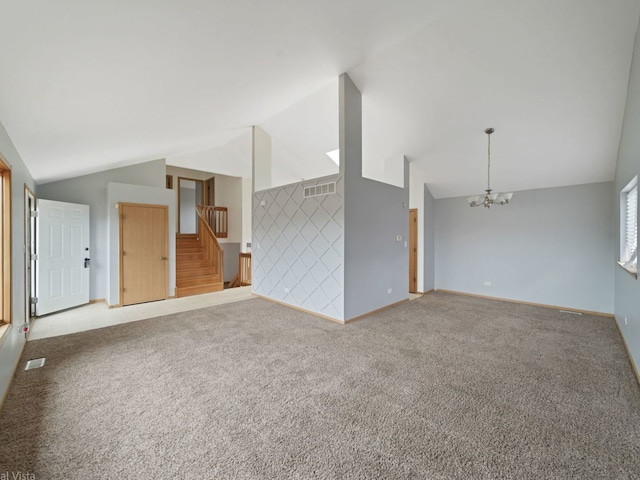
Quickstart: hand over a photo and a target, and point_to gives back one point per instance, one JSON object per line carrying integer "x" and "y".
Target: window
{"x": 5, "y": 239}
{"x": 629, "y": 227}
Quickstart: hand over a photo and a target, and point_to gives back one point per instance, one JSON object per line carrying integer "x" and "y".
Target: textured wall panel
{"x": 298, "y": 245}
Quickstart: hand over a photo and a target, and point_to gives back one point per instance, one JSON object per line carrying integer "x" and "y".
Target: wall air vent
{"x": 317, "y": 190}
{"x": 37, "y": 363}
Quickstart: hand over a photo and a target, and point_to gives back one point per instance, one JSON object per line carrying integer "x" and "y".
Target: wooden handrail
{"x": 244, "y": 269}
{"x": 217, "y": 218}
{"x": 212, "y": 249}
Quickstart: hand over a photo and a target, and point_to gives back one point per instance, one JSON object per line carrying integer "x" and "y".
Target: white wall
{"x": 229, "y": 194}
{"x": 13, "y": 342}
{"x": 627, "y": 288}
{"x": 125, "y": 193}
{"x": 92, "y": 190}
{"x": 551, "y": 246}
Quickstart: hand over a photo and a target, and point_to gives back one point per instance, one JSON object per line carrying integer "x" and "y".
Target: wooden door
{"x": 144, "y": 264}
{"x": 413, "y": 250}
{"x": 210, "y": 191}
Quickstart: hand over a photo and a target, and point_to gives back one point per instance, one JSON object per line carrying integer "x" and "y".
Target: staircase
{"x": 196, "y": 271}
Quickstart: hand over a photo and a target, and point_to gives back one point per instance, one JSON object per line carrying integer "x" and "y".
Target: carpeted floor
{"x": 443, "y": 387}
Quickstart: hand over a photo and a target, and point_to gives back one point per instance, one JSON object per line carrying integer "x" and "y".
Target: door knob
{"x": 163, "y": 258}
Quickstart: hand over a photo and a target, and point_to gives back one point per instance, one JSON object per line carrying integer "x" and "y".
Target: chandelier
{"x": 488, "y": 198}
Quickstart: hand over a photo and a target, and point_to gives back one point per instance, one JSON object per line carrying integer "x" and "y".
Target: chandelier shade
{"x": 489, "y": 198}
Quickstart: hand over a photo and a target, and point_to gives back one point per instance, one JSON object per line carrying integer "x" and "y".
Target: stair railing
{"x": 218, "y": 219}
{"x": 244, "y": 269}
{"x": 212, "y": 249}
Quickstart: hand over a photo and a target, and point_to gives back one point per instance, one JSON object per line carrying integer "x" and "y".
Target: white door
{"x": 63, "y": 265}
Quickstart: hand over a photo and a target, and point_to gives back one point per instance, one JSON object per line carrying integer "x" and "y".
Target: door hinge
{"x": 34, "y": 300}
{"x": 34, "y": 257}
{"x": 34, "y": 214}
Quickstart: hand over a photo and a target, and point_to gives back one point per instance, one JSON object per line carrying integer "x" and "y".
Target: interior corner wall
{"x": 13, "y": 343}
{"x": 376, "y": 268}
{"x": 551, "y": 246}
{"x": 229, "y": 194}
{"x": 125, "y": 193}
{"x": 247, "y": 208}
{"x": 298, "y": 247}
{"x": 428, "y": 246}
{"x": 261, "y": 159}
{"x": 416, "y": 200}
{"x": 92, "y": 190}
{"x": 627, "y": 288}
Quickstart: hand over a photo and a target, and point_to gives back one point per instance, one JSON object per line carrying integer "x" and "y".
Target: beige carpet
{"x": 443, "y": 387}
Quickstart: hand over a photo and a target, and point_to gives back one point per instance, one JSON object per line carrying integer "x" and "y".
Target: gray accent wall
{"x": 551, "y": 246}
{"x": 231, "y": 252}
{"x": 13, "y": 342}
{"x": 376, "y": 269}
{"x": 429, "y": 266}
{"x": 92, "y": 190}
{"x": 298, "y": 247}
{"x": 627, "y": 288}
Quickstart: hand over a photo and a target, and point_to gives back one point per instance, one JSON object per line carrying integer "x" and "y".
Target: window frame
{"x": 628, "y": 256}
{"x": 5, "y": 247}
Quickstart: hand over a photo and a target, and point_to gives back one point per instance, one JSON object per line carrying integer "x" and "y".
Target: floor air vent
{"x": 36, "y": 363}
{"x": 317, "y": 190}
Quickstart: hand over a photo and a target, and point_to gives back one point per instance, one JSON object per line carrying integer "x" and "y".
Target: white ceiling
{"x": 85, "y": 86}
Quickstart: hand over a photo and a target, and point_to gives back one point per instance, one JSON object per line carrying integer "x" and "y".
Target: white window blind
{"x": 630, "y": 227}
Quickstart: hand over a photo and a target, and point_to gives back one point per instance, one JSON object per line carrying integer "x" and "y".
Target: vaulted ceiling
{"x": 86, "y": 86}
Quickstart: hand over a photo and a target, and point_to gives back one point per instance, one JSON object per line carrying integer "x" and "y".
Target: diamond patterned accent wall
{"x": 298, "y": 245}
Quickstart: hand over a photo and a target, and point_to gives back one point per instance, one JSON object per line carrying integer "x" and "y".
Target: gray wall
{"x": 188, "y": 213}
{"x": 119, "y": 192}
{"x": 552, "y": 246}
{"x": 375, "y": 214}
{"x": 429, "y": 212}
{"x": 92, "y": 190}
{"x": 231, "y": 252}
{"x": 627, "y": 288}
{"x": 298, "y": 247}
{"x": 13, "y": 342}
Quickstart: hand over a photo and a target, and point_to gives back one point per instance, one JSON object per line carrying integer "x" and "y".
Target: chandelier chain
{"x": 489, "y": 163}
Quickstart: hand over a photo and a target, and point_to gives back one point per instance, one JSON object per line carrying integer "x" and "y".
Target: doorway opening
{"x": 190, "y": 194}
{"x": 30, "y": 257}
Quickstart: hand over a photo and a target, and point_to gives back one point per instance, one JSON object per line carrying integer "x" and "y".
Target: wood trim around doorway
{"x": 413, "y": 250}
